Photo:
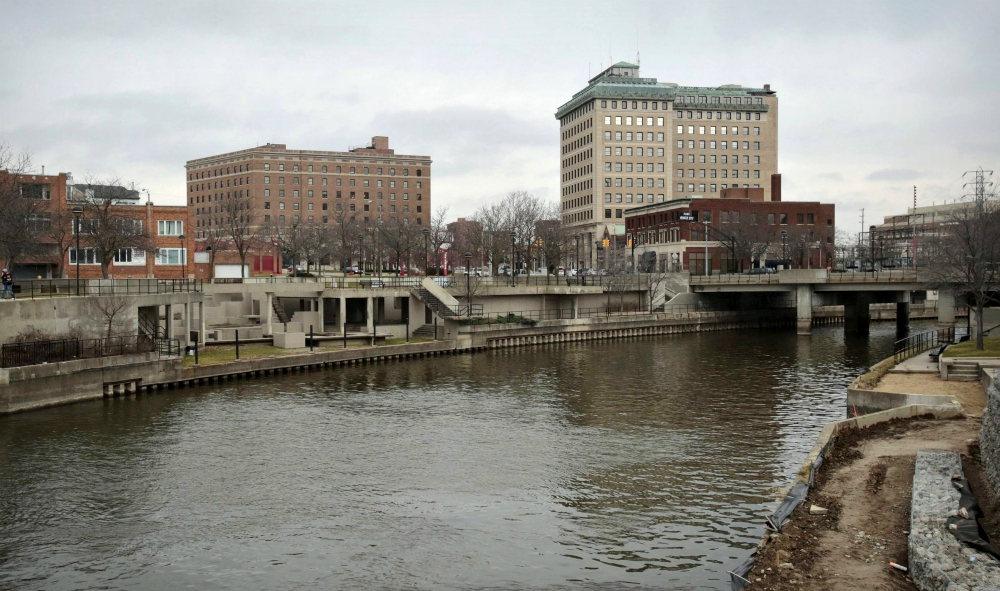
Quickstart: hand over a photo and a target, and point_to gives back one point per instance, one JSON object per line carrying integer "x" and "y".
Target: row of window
{"x": 712, "y": 158}
{"x": 628, "y": 151}
{"x": 339, "y": 182}
{"x": 628, "y": 182}
{"x": 712, "y": 173}
{"x": 734, "y": 145}
{"x": 718, "y": 115}
{"x": 723, "y": 130}
{"x": 295, "y": 168}
{"x": 628, "y": 121}
{"x": 638, "y": 198}
{"x": 639, "y": 136}
{"x": 339, "y": 170}
{"x": 129, "y": 256}
{"x": 340, "y": 195}
{"x": 720, "y": 100}
{"x": 339, "y": 207}
{"x": 628, "y": 167}
{"x": 704, "y": 99}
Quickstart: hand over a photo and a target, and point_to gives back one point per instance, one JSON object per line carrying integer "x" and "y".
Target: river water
{"x": 646, "y": 462}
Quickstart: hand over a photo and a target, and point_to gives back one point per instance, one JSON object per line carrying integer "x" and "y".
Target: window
{"x": 267, "y": 180}
{"x": 281, "y": 205}
{"x": 170, "y": 227}
{"x": 800, "y": 219}
{"x": 784, "y": 219}
{"x": 607, "y": 136}
{"x": 171, "y": 256}
{"x": 756, "y": 145}
{"x": 618, "y": 213}
{"x": 607, "y": 197}
{"x": 618, "y": 197}
{"x": 352, "y": 170}
{"x": 267, "y": 166}
{"x": 87, "y": 256}
{"x": 281, "y": 167}
{"x": 325, "y": 194}
{"x": 281, "y": 180}
{"x": 267, "y": 205}
{"x": 810, "y": 219}
{"x": 680, "y": 144}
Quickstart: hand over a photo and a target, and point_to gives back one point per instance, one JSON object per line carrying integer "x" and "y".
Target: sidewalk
{"x": 917, "y": 364}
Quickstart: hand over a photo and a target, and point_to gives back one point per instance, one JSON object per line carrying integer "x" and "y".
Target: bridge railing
{"x": 884, "y": 276}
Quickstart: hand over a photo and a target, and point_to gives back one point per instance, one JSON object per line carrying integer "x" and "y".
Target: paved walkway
{"x": 917, "y": 364}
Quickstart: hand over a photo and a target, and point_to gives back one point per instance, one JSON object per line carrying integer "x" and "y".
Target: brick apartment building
{"x": 307, "y": 186}
{"x": 58, "y": 194}
{"x": 627, "y": 142}
{"x": 798, "y": 233}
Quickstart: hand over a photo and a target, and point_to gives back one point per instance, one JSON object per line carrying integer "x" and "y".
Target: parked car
{"x": 353, "y": 270}
{"x": 760, "y": 271}
{"x": 571, "y": 272}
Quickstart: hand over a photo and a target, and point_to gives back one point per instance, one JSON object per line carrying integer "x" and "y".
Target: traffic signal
{"x": 606, "y": 243}
{"x": 630, "y": 243}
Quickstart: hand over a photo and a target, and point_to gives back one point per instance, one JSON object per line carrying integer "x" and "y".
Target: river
{"x": 640, "y": 462}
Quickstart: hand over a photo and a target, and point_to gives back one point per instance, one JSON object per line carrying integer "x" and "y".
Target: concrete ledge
{"x": 938, "y": 561}
{"x": 869, "y": 401}
{"x": 290, "y": 340}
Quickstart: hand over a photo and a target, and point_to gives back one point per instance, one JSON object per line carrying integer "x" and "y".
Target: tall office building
{"x": 366, "y": 183}
{"x": 628, "y": 141}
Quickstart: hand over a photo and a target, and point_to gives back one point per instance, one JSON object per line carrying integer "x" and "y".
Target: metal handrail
{"x": 53, "y": 288}
{"x": 55, "y": 351}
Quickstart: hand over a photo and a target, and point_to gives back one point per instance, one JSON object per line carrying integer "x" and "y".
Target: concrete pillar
{"x": 946, "y": 311}
{"x": 322, "y": 321}
{"x": 850, "y": 312}
{"x": 370, "y": 316}
{"x": 188, "y": 309}
{"x": 343, "y": 313}
{"x": 576, "y": 307}
{"x": 170, "y": 320}
{"x": 803, "y": 307}
{"x": 902, "y": 311}
{"x": 268, "y": 314}
{"x": 201, "y": 324}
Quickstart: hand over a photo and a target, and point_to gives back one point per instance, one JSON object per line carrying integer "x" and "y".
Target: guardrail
{"x": 57, "y": 288}
{"x": 54, "y": 351}
{"x": 918, "y": 343}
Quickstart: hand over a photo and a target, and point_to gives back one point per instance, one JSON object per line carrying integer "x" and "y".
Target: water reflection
{"x": 644, "y": 461}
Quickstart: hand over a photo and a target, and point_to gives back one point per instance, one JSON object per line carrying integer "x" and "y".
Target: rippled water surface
{"x": 648, "y": 461}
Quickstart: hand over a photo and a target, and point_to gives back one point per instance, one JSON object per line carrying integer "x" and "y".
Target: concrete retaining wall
{"x": 989, "y": 437}
{"x": 39, "y": 386}
{"x": 869, "y": 401}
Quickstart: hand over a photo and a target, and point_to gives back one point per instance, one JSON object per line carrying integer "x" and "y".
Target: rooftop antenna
{"x": 914, "y": 199}
{"x": 638, "y": 61}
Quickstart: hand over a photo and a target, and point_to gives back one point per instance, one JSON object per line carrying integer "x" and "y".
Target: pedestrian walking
{"x": 8, "y": 285}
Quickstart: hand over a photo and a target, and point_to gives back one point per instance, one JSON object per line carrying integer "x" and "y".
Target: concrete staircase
{"x": 437, "y": 299}
{"x": 964, "y": 371}
{"x": 424, "y": 332}
{"x": 279, "y": 311}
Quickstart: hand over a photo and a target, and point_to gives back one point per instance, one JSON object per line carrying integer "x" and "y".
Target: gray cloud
{"x": 136, "y": 88}
{"x": 893, "y": 174}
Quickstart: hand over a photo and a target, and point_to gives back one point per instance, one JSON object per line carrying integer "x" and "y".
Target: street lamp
{"x": 708, "y": 266}
{"x": 784, "y": 243}
{"x": 77, "y": 212}
{"x": 427, "y": 233}
{"x": 183, "y": 258}
{"x": 211, "y": 271}
{"x": 513, "y": 277}
{"x": 468, "y": 281}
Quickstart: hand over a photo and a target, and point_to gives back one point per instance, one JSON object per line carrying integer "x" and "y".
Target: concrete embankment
{"x": 39, "y": 386}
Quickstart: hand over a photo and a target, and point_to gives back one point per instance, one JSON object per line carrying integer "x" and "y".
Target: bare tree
{"x": 20, "y": 206}
{"x": 493, "y": 234}
{"x": 241, "y": 227}
{"x": 111, "y": 315}
{"x": 110, "y": 224}
{"x": 964, "y": 257}
{"x": 750, "y": 238}
{"x": 61, "y": 234}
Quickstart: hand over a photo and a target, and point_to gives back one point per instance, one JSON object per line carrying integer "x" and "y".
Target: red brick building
{"x": 57, "y": 195}
{"x": 740, "y": 226}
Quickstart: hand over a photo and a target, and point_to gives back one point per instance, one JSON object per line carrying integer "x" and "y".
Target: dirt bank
{"x": 865, "y": 485}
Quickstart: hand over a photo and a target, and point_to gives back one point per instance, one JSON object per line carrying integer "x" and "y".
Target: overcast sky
{"x": 873, "y": 97}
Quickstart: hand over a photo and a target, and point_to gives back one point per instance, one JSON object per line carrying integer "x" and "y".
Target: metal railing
{"x": 914, "y": 344}
{"x": 918, "y": 343}
{"x": 54, "y": 351}
{"x": 57, "y": 288}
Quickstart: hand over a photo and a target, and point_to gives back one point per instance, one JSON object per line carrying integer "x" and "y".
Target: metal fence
{"x": 918, "y": 343}
{"x": 39, "y": 352}
{"x": 756, "y": 278}
{"x": 55, "y": 288}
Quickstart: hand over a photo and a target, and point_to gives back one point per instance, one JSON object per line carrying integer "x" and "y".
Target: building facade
{"x": 682, "y": 234}
{"x": 308, "y": 186}
{"x": 627, "y": 142}
{"x": 55, "y": 254}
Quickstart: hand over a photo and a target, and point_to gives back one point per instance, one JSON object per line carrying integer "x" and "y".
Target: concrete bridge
{"x": 819, "y": 287}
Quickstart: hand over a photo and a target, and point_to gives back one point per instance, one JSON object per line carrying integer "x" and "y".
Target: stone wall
{"x": 989, "y": 437}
